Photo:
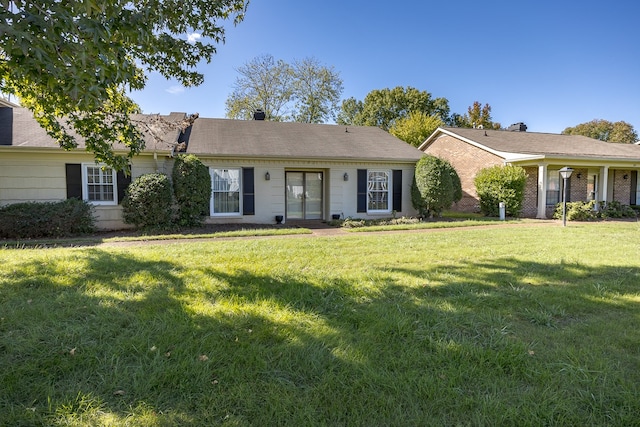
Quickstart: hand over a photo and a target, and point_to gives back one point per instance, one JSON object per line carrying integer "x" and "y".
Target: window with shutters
{"x": 378, "y": 191}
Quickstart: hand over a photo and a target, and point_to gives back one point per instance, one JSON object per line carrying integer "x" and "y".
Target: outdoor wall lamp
{"x": 267, "y": 177}
{"x": 346, "y": 176}
{"x": 565, "y": 173}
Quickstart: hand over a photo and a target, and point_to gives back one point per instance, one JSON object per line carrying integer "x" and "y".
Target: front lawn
{"x": 528, "y": 325}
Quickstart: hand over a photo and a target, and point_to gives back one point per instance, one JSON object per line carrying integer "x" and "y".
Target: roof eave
{"x": 476, "y": 144}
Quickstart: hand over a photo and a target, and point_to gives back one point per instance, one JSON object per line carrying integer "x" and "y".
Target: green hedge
{"x": 192, "y": 189}
{"x": 436, "y": 186}
{"x": 586, "y": 211}
{"x": 46, "y": 219}
{"x": 501, "y": 184}
{"x": 148, "y": 202}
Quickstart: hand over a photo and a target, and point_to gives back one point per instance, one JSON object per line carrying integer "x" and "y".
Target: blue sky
{"x": 550, "y": 64}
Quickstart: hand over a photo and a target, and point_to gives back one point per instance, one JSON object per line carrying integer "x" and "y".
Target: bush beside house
{"x": 436, "y": 186}
{"x": 498, "y": 184}
{"x": 30, "y": 220}
{"x": 192, "y": 189}
{"x": 149, "y": 202}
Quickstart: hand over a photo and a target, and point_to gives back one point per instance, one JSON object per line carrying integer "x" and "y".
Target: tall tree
{"x": 382, "y": 107}
{"x": 605, "y": 131}
{"x": 317, "y": 91}
{"x": 306, "y": 91}
{"x": 350, "y": 111}
{"x": 72, "y": 62}
{"x": 264, "y": 84}
{"x": 415, "y": 128}
{"x": 478, "y": 116}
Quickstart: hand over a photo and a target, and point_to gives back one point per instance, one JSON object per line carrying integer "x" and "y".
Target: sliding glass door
{"x": 304, "y": 195}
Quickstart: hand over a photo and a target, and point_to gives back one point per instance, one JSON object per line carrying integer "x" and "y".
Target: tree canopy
{"x": 72, "y": 62}
{"x": 305, "y": 91}
{"x": 605, "y": 131}
{"x": 477, "y": 116}
{"x": 415, "y": 128}
{"x": 383, "y": 107}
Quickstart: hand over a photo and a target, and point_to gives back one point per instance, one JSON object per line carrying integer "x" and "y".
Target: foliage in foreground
{"x": 501, "y": 184}
{"x": 474, "y": 327}
{"x": 30, "y": 220}
{"x": 70, "y": 62}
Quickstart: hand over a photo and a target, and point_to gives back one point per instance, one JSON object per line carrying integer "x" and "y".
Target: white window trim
{"x": 389, "y": 173}
{"x": 240, "y": 192}
{"x": 85, "y": 185}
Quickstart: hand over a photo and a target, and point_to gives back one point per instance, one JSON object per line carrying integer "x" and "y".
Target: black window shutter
{"x": 633, "y": 200}
{"x": 568, "y": 191}
{"x": 122, "y": 181}
{"x": 248, "y": 195}
{"x": 397, "y": 190}
{"x": 362, "y": 191}
{"x": 74, "y": 180}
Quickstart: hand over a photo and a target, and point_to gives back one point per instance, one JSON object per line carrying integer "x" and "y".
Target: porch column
{"x": 603, "y": 190}
{"x": 542, "y": 192}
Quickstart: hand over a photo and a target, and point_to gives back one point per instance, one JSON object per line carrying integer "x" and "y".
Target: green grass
{"x": 524, "y": 325}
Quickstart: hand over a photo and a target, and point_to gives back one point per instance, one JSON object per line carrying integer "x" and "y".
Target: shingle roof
{"x": 20, "y": 129}
{"x": 245, "y": 138}
{"x": 547, "y": 144}
{"x": 265, "y": 139}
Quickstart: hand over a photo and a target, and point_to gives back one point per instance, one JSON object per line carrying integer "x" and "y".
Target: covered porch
{"x": 597, "y": 181}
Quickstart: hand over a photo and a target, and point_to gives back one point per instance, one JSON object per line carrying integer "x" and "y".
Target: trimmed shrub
{"x": 192, "y": 189}
{"x": 586, "y": 211}
{"x": 616, "y": 209}
{"x": 46, "y": 219}
{"x": 501, "y": 184}
{"x": 148, "y": 203}
{"x": 578, "y": 211}
{"x": 435, "y": 186}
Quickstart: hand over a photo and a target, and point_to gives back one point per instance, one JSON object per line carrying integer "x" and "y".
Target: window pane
{"x": 378, "y": 191}
{"x": 553, "y": 187}
{"x": 100, "y": 184}
{"x": 225, "y": 185}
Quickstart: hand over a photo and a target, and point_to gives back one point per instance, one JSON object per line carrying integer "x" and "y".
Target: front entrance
{"x": 304, "y": 195}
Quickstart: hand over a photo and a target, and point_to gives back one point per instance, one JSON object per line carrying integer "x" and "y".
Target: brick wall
{"x": 579, "y": 185}
{"x": 621, "y": 186}
{"x": 530, "y": 202}
{"x": 467, "y": 161}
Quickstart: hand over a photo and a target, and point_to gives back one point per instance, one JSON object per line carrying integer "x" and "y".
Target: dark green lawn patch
{"x": 502, "y": 326}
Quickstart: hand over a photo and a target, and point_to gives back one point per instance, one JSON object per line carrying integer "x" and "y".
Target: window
{"x": 225, "y": 192}
{"x": 378, "y": 191}
{"x": 99, "y": 184}
{"x": 553, "y": 187}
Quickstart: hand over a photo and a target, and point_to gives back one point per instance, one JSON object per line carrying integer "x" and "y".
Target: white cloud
{"x": 193, "y": 37}
{"x": 175, "y": 90}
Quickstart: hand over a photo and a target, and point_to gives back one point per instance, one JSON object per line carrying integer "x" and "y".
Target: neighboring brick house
{"x": 603, "y": 171}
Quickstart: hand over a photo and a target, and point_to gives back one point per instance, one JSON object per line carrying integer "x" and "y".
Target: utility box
{"x": 502, "y": 211}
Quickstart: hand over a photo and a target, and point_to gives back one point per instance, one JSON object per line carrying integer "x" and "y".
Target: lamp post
{"x": 565, "y": 173}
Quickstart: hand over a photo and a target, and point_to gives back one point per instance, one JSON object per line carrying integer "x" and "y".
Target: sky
{"x": 549, "y": 64}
